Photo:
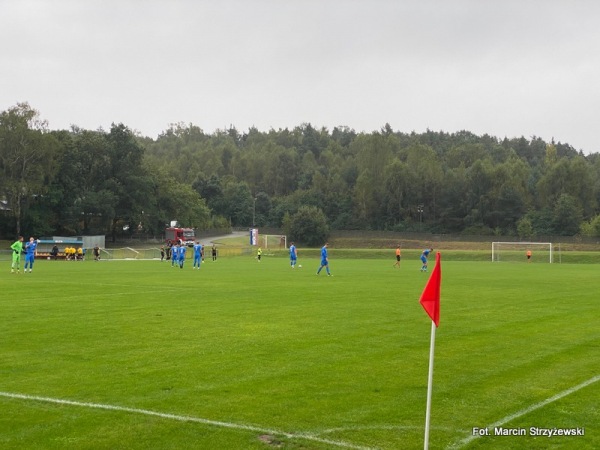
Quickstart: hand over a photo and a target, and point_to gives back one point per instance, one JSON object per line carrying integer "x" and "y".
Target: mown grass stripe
{"x": 180, "y": 418}
{"x": 527, "y": 410}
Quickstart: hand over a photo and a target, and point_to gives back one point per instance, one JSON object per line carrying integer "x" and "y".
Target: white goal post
{"x": 127, "y": 253}
{"x": 272, "y": 241}
{"x": 517, "y": 251}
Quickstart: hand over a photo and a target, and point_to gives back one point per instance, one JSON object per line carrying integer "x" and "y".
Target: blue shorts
{"x": 423, "y": 259}
{"x": 324, "y": 262}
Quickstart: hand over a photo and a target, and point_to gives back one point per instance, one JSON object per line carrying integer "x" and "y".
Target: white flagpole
{"x": 429, "y": 385}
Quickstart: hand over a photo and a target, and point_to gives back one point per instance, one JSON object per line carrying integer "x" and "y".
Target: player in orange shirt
{"x": 398, "y": 257}
{"x": 528, "y": 256}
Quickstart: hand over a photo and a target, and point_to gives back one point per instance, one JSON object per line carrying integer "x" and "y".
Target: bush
{"x": 309, "y": 226}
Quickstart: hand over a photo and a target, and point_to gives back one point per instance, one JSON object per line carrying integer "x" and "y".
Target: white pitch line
{"x": 179, "y": 418}
{"x": 527, "y": 410}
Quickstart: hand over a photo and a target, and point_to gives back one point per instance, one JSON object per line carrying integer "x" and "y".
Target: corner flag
{"x": 430, "y": 301}
{"x": 430, "y": 298}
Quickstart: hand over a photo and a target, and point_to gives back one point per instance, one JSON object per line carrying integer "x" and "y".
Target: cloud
{"x": 502, "y": 68}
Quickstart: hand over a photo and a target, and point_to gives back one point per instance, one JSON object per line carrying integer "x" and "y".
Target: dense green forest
{"x": 307, "y": 181}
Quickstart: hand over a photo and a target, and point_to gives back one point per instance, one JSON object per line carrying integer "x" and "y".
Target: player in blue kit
{"x": 324, "y": 260}
{"x": 181, "y": 256}
{"x": 30, "y": 252}
{"x": 293, "y": 255}
{"x": 174, "y": 254}
{"x": 198, "y": 254}
{"x": 424, "y": 257}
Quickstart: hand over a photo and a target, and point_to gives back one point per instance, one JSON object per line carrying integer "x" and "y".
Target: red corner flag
{"x": 430, "y": 298}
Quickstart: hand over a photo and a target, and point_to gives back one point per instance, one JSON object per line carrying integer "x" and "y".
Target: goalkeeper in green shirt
{"x": 17, "y": 248}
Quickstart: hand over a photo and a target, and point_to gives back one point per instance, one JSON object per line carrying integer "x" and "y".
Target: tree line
{"x": 306, "y": 181}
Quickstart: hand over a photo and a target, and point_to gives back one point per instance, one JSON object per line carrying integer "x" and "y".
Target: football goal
{"x": 522, "y": 252}
{"x": 272, "y": 241}
{"x": 128, "y": 253}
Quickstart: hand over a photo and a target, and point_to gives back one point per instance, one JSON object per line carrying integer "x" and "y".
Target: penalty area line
{"x": 180, "y": 418}
{"x": 527, "y": 410}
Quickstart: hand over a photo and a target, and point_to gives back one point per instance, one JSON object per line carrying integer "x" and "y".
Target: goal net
{"x": 272, "y": 241}
{"x": 539, "y": 252}
{"x": 128, "y": 253}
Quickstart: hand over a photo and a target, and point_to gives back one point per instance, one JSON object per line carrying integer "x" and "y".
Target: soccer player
{"x": 96, "y": 253}
{"x": 181, "y": 257}
{"x": 17, "y": 249}
{"x": 30, "y": 252}
{"x": 214, "y": 252}
{"x": 293, "y": 255}
{"x": 398, "y": 256}
{"x": 259, "y": 254}
{"x": 324, "y": 260}
{"x": 528, "y": 256}
{"x": 174, "y": 254}
{"x": 198, "y": 254}
{"x": 424, "y": 257}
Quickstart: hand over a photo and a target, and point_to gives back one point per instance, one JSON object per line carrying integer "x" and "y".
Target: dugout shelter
{"x": 86, "y": 242}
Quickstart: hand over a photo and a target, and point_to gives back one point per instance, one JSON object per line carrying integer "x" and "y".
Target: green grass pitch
{"x": 248, "y": 355}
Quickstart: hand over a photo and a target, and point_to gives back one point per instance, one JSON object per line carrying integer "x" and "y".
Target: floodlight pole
{"x": 420, "y": 211}
{"x": 254, "y": 213}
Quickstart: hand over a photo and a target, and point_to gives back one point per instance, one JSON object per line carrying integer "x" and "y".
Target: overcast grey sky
{"x": 505, "y": 68}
